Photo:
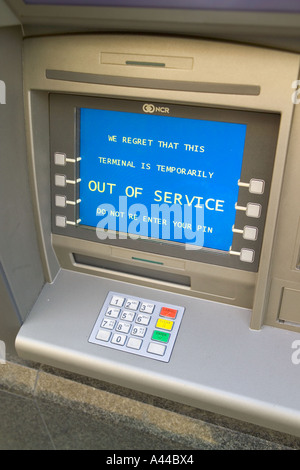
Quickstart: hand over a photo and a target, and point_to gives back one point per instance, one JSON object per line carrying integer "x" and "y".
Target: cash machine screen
{"x": 178, "y": 180}
{"x": 160, "y": 177}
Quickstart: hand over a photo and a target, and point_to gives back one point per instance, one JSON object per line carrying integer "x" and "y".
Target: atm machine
{"x": 163, "y": 165}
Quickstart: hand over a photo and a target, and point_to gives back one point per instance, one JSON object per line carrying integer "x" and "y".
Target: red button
{"x": 168, "y": 312}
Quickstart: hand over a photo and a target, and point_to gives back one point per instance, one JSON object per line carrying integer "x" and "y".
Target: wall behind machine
{"x": 21, "y": 276}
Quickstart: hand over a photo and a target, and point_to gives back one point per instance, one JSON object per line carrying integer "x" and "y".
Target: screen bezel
{"x": 259, "y": 152}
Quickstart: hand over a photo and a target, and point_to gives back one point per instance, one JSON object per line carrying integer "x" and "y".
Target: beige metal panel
{"x": 7, "y": 17}
{"x": 213, "y": 62}
{"x": 290, "y": 306}
{"x": 271, "y": 29}
{"x": 285, "y": 272}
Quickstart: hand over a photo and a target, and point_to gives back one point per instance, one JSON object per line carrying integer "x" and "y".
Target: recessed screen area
{"x": 146, "y": 175}
{"x": 162, "y": 179}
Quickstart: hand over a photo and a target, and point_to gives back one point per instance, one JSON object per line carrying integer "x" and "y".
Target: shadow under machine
{"x": 163, "y": 179}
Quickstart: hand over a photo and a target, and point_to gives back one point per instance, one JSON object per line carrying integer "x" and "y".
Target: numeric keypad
{"x": 138, "y": 326}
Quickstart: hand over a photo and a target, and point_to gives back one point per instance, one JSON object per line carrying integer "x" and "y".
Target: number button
{"x": 119, "y": 339}
{"x": 117, "y": 300}
{"x": 108, "y": 324}
{"x": 129, "y": 316}
{"x": 112, "y": 312}
{"x": 123, "y": 327}
{"x": 139, "y": 331}
{"x": 143, "y": 319}
{"x": 132, "y": 304}
{"x": 147, "y": 308}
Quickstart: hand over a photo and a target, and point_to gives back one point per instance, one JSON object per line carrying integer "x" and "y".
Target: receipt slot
{"x": 157, "y": 193}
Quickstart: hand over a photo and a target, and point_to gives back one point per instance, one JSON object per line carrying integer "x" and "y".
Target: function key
{"x": 134, "y": 343}
{"x": 155, "y": 348}
{"x": 168, "y": 312}
{"x": 161, "y": 336}
{"x": 103, "y": 335}
{"x": 132, "y": 304}
{"x": 164, "y": 324}
{"x": 146, "y": 307}
{"x": 117, "y": 300}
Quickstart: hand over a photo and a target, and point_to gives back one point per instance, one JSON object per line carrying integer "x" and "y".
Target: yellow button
{"x": 164, "y": 324}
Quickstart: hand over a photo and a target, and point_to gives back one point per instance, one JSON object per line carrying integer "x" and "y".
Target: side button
{"x": 253, "y": 210}
{"x": 60, "y": 158}
{"x": 60, "y": 180}
{"x": 256, "y": 186}
{"x": 60, "y": 201}
{"x": 60, "y": 221}
{"x": 250, "y": 233}
{"x": 247, "y": 255}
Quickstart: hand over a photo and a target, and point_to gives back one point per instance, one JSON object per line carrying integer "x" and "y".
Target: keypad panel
{"x": 138, "y": 326}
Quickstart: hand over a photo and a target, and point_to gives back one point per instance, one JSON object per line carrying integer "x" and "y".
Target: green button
{"x": 161, "y": 336}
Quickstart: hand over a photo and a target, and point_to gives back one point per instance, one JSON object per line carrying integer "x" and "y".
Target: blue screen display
{"x": 160, "y": 177}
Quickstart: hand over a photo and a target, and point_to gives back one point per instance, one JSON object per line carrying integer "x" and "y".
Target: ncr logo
{"x": 2, "y": 92}
{"x": 151, "y": 108}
